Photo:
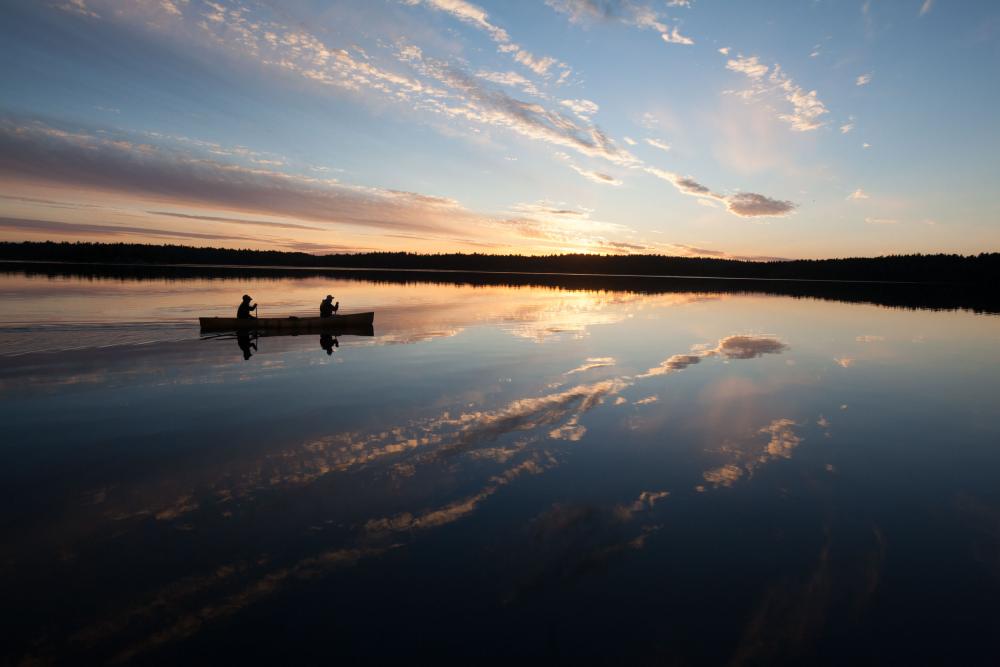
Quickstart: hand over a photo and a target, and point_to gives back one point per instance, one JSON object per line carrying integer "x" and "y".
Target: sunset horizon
{"x": 674, "y": 128}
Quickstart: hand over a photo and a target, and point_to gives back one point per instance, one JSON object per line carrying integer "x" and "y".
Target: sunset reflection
{"x": 587, "y": 428}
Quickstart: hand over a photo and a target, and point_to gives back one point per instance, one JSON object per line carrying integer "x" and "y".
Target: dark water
{"x": 661, "y": 476}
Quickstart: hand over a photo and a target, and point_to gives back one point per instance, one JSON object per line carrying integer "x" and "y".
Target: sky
{"x": 753, "y": 130}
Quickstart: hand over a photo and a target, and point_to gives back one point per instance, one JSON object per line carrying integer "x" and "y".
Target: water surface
{"x": 680, "y": 476}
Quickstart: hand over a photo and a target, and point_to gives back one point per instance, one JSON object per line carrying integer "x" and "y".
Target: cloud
{"x": 582, "y": 108}
{"x": 807, "y": 108}
{"x": 866, "y": 145}
{"x": 77, "y": 229}
{"x": 926, "y": 7}
{"x": 684, "y": 184}
{"x": 694, "y": 251}
{"x": 750, "y": 66}
{"x": 846, "y": 128}
{"x": 630, "y": 141}
{"x": 553, "y": 225}
{"x": 51, "y": 229}
{"x": 451, "y": 93}
{"x": 724, "y": 50}
{"x": 635, "y": 13}
{"x": 752, "y": 205}
{"x": 858, "y": 194}
{"x": 477, "y": 17}
{"x": 538, "y": 64}
{"x": 235, "y": 221}
{"x": 467, "y": 13}
{"x": 512, "y": 79}
{"x": 38, "y": 154}
{"x": 881, "y": 221}
{"x": 78, "y": 7}
{"x": 436, "y": 87}
{"x": 532, "y": 120}
{"x": 863, "y": 80}
{"x": 675, "y": 37}
{"x": 596, "y": 176}
{"x": 647, "y": 401}
{"x": 656, "y": 143}
{"x": 744, "y": 204}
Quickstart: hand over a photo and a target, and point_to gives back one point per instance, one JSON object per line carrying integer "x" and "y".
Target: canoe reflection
{"x": 328, "y": 342}
{"x": 248, "y": 340}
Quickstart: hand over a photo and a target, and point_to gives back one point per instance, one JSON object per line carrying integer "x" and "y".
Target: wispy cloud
{"x": 749, "y": 65}
{"x": 427, "y": 85}
{"x": 806, "y": 107}
{"x": 235, "y": 221}
{"x": 636, "y": 13}
{"x": 863, "y": 80}
{"x": 675, "y": 37}
{"x": 582, "y": 108}
{"x": 59, "y": 228}
{"x": 881, "y": 221}
{"x": 512, "y": 79}
{"x": 926, "y": 7}
{"x": 39, "y": 154}
{"x": 530, "y": 119}
{"x": 656, "y": 143}
{"x": 858, "y": 194}
{"x": 596, "y": 176}
{"x": 78, "y": 7}
{"x": 477, "y": 17}
{"x": 744, "y": 204}
{"x": 560, "y": 227}
{"x": 694, "y": 251}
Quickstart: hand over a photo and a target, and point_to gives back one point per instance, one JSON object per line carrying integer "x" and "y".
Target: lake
{"x": 683, "y": 472}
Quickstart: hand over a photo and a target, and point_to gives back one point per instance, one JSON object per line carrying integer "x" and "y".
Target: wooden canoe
{"x": 345, "y": 323}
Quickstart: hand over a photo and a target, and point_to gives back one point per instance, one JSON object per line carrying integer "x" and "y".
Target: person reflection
{"x": 328, "y": 342}
{"x": 247, "y": 343}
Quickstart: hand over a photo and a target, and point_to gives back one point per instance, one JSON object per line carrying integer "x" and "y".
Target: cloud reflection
{"x": 749, "y": 454}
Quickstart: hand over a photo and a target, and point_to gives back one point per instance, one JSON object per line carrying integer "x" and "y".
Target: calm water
{"x": 670, "y": 478}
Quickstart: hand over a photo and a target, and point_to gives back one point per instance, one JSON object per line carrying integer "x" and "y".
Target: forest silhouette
{"x": 981, "y": 269}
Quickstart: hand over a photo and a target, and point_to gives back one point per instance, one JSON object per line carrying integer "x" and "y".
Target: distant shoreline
{"x": 983, "y": 269}
{"x": 349, "y": 269}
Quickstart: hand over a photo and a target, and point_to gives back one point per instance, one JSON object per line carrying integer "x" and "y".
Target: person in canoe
{"x": 243, "y": 312}
{"x": 327, "y": 308}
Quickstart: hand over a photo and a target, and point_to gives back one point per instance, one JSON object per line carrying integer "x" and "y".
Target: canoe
{"x": 345, "y": 322}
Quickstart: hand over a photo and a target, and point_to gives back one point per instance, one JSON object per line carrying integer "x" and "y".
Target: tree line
{"x": 980, "y": 269}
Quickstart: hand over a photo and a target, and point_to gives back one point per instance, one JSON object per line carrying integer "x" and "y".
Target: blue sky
{"x": 734, "y": 129}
